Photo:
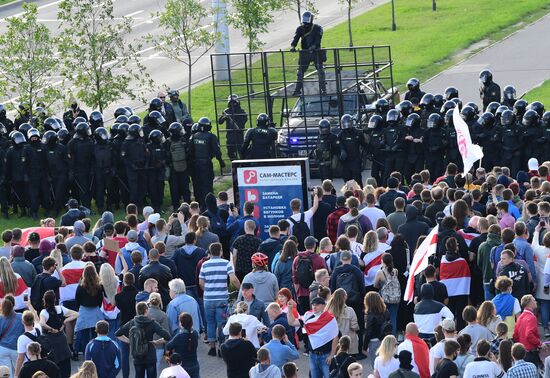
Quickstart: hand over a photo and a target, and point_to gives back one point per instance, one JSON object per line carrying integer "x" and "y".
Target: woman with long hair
{"x": 185, "y": 343}
{"x": 87, "y": 370}
{"x": 342, "y": 359}
{"x": 345, "y": 317}
{"x": 353, "y": 216}
{"x": 464, "y": 357}
{"x": 157, "y": 314}
{"x": 204, "y": 236}
{"x": 11, "y": 327}
{"x": 462, "y": 213}
{"x": 505, "y": 354}
{"x": 89, "y": 299}
{"x": 12, "y": 283}
{"x": 388, "y": 275}
{"x": 376, "y": 315}
{"x": 283, "y": 266}
{"x": 192, "y": 226}
{"x": 487, "y": 316}
{"x": 386, "y": 363}
{"x": 52, "y": 321}
{"x": 110, "y": 282}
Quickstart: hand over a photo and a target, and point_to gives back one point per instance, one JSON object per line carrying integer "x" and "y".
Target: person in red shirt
{"x": 526, "y": 330}
{"x": 334, "y": 218}
{"x": 304, "y": 267}
{"x": 120, "y": 237}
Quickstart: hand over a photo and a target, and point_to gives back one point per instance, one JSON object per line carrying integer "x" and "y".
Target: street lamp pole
{"x": 434, "y": 5}
{"x": 393, "y": 26}
{"x": 221, "y": 46}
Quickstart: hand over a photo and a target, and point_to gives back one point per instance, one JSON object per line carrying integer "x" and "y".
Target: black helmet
{"x": 63, "y": 135}
{"x": 195, "y": 128}
{"x": 155, "y": 104}
{"x": 509, "y": 92}
{"x": 33, "y": 133}
{"x": 114, "y": 130}
{"x": 530, "y": 118}
{"x": 434, "y": 121}
{"x": 40, "y": 112}
{"x": 121, "y": 111}
{"x": 449, "y": 118}
{"x": 546, "y": 120}
{"x": 468, "y": 113}
{"x": 474, "y": 106}
{"x": 485, "y": 77}
{"x": 413, "y": 84}
{"x": 156, "y": 136}
{"x": 96, "y": 119}
{"x": 24, "y": 128}
{"x": 101, "y": 134}
{"x": 3, "y": 129}
{"x": 134, "y": 132}
{"x": 487, "y": 119}
{"x": 49, "y": 138}
{"x": 375, "y": 121}
{"x": 537, "y": 106}
{"x": 175, "y": 129}
{"x": 500, "y": 110}
{"x": 205, "y": 124}
{"x": 122, "y": 119}
{"x": 157, "y": 117}
{"x": 427, "y": 101}
{"x": 82, "y": 130}
{"x": 324, "y": 126}
{"x": 18, "y": 138}
{"x": 129, "y": 110}
{"x": 346, "y": 122}
{"x": 439, "y": 100}
{"x": 2, "y": 111}
{"x": 262, "y": 120}
{"x": 507, "y": 118}
{"x": 492, "y": 107}
{"x": 413, "y": 120}
{"x": 448, "y": 105}
{"x": 51, "y": 123}
{"x": 382, "y": 105}
{"x": 233, "y": 100}
{"x": 405, "y": 108}
{"x": 393, "y": 116}
{"x": 458, "y": 102}
{"x": 450, "y": 93}
{"x": 307, "y": 17}
{"x": 123, "y": 130}
{"x": 173, "y": 94}
{"x": 78, "y": 120}
{"x": 520, "y": 106}
{"x": 134, "y": 119}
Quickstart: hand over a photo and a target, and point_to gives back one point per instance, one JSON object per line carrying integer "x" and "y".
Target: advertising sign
{"x": 271, "y": 185}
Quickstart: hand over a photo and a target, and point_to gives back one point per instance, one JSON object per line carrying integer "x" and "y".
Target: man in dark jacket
{"x": 74, "y": 213}
{"x": 428, "y": 313}
{"x": 272, "y": 245}
{"x": 126, "y": 302}
{"x": 238, "y": 354}
{"x": 413, "y": 228}
{"x": 256, "y": 306}
{"x": 103, "y": 352}
{"x": 186, "y": 259}
{"x": 386, "y": 200}
{"x": 437, "y": 205}
{"x": 150, "y": 327}
{"x": 159, "y": 272}
{"x": 277, "y": 316}
{"x": 447, "y": 230}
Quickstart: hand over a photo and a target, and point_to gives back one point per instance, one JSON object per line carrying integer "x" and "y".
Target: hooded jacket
{"x": 105, "y": 355}
{"x": 186, "y": 259}
{"x": 239, "y": 356}
{"x": 363, "y": 220}
{"x": 484, "y": 254}
{"x": 413, "y": 228}
{"x": 106, "y": 217}
{"x": 212, "y": 212}
{"x": 428, "y": 313}
{"x": 265, "y": 285}
{"x": 262, "y": 371}
{"x": 127, "y": 252}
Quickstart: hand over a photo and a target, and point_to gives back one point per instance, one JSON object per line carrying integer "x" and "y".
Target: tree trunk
{"x": 250, "y": 79}
{"x": 299, "y": 10}
{"x": 349, "y": 25}
{"x": 189, "y": 68}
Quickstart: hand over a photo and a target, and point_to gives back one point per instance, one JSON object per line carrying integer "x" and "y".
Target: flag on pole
{"x": 470, "y": 152}
{"x": 420, "y": 261}
{"x": 320, "y": 329}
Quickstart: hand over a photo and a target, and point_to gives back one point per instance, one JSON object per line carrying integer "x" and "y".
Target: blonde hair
{"x": 337, "y": 303}
{"x": 386, "y": 351}
{"x": 202, "y": 225}
{"x": 57, "y": 255}
{"x": 48, "y": 222}
{"x": 8, "y": 278}
{"x": 241, "y": 308}
{"x": 155, "y": 300}
{"x": 87, "y": 370}
{"x": 370, "y": 242}
{"x": 354, "y": 366}
{"x": 485, "y": 313}
{"x": 350, "y": 185}
{"x": 109, "y": 281}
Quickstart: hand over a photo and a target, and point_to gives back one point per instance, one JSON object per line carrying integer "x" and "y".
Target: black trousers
{"x": 351, "y": 170}
{"x": 39, "y": 193}
{"x": 377, "y": 168}
{"x": 235, "y": 139}
{"x": 203, "y": 180}
{"x": 179, "y": 188}
{"x": 82, "y": 182}
{"x": 137, "y": 181}
{"x": 151, "y": 370}
{"x": 59, "y": 186}
{"x": 456, "y": 305}
{"x": 325, "y": 171}
{"x": 100, "y": 185}
{"x": 305, "y": 59}
{"x": 155, "y": 187}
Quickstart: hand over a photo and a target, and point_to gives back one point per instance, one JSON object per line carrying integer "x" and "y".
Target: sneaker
{"x": 212, "y": 352}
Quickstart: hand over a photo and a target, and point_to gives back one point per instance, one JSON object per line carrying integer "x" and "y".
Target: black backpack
{"x": 139, "y": 345}
{"x": 45, "y": 347}
{"x": 301, "y": 230}
{"x": 304, "y": 271}
{"x": 37, "y": 292}
{"x": 347, "y": 281}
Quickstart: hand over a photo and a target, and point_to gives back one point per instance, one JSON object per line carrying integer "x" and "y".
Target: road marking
{"x": 148, "y": 21}
{"x": 135, "y": 13}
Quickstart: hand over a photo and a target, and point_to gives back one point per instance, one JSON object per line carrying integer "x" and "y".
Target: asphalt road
{"x": 170, "y": 74}
{"x": 521, "y": 59}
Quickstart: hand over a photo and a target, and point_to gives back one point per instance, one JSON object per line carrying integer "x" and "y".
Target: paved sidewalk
{"x": 520, "y": 59}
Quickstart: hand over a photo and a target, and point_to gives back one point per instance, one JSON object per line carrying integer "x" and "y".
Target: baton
{"x": 122, "y": 183}
{"x": 78, "y": 185}
{"x": 15, "y": 193}
{"x": 52, "y": 192}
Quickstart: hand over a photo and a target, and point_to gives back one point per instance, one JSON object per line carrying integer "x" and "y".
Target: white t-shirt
{"x": 250, "y": 324}
{"x": 307, "y": 218}
{"x": 373, "y": 213}
{"x": 385, "y": 368}
{"x": 438, "y": 351}
{"x": 174, "y": 371}
{"x": 356, "y": 248}
{"x": 483, "y": 369}
{"x": 59, "y": 309}
{"x": 23, "y": 341}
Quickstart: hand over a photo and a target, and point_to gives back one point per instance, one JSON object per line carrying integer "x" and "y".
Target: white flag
{"x": 470, "y": 152}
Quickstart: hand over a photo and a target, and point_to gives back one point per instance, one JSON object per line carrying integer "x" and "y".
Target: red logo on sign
{"x": 251, "y": 195}
{"x": 250, "y": 176}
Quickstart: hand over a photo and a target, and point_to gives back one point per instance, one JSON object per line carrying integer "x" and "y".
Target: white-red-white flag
{"x": 470, "y": 152}
{"x": 320, "y": 329}
{"x": 420, "y": 261}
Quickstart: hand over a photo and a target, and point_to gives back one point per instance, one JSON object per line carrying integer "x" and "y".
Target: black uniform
{"x": 259, "y": 143}
{"x": 434, "y": 150}
{"x": 235, "y": 118}
{"x": 376, "y": 151}
{"x": 203, "y": 147}
{"x": 103, "y": 171}
{"x": 119, "y": 184}
{"x": 69, "y": 116}
{"x": 57, "y": 159}
{"x": 414, "y": 96}
{"x": 17, "y": 175}
{"x": 80, "y": 153}
{"x": 4, "y": 191}
{"x": 156, "y": 171}
{"x": 39, "y": 190}
{"x": 414, "y": 159}
{"x": 489, "y": 93}
{"x": 394, "y": 140}
{"x": 177, "y": 160}
{"x": 310, "y": 36}
{"x": 325, "y": 150}
{"x": 7, "y": 122}
{"x": 487, "y": 138}
{"x": 351, "y": 140}
{"x": 133, "y": 153}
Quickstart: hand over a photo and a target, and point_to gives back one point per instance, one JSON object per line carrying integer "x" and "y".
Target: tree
{"x": 28, "y": 61}
{"x": 349, "y": 5}
{"x": 301, "y": 6}
{"x": 98, "y": 61}
{"x": 184, "y": 33}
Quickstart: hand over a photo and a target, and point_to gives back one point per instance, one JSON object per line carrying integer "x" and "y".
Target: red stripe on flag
{"x": 414, "y": 270}
{"x": 72, "y": 276}
{"x": 20, "y": 289}
{"x": 44, "y": 232}
{"x": 315, "y": 325}
{"x": 374, "y": 262}
{"x": 453, "y": 269}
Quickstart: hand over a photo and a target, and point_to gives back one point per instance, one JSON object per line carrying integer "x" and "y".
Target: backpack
{"x": 143, "y": 242}
{"x": 391, "y": 291}
{"x": 304, "y": 271}
{"x": 386, "y": 328}
{"x": 217, "y": 225}
{"x": 36, "y": 292}
{"x": 301, "y": 230}
{"x": 347, "y": 282}
{"x": 179, "y": 156}
{"x": 45, "y": 347}
{"x": 139, "y": 345}
{"x": 338, "y": 371}
{"x": 355, "y": 222}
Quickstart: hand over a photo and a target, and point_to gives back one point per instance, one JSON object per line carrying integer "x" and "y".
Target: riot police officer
{"x": 156, "y": 168}
{"x": 448, "y": 105}
{"x": 538, "y": 107}
{"x": 96, "y": 121}
{"x": 510, "y": 140}
{"x": 310, "y": 35}
{"x": 450, "y": 93}
{"x": 56, "y": 160}
{"x": 382, "y": 107}
{"x": 532, "y": 133}
{"x": 375, "y": 137}
{"x": 122, "y": 110}
{"x": 468, "y": 114}
{"x": 52, "y": 124}
{"x": 203, "y": 147}
{"x": 520, "y": 107}
{"x": 5, "y": 120}
{"x": 133, "y": 153}
{"x": 235, "y": 118}
{"x": 452, "y": 153}
{"x": 545, "y": 124}
{"x": 4, "y": 192}
{"x": 155, "y": 121}
{"x": 487, "y": 136}
{"x": 134, "y": 119}
{"x": 119, "y": 191}
{"x": 489, "y": 91}
{"x": 102, "y": 166}
{"x": 63, "y": 136}
{"x": 16, "y": 163}
{"x": 351, "y": 140}
{"x": 414, "y": 148}
{"x": 326, "y": 148}
{"x": 394, "y": 140}
{"x": 23, "y": 115}
{"x": 405, "y": 108}
{"x": 72, "y": 114}
{"x": 39, "y": 193}
{"x": 80, "y": 153}
{"x": 509, "y": 96}
{"x": 177, "y": 161}
{"x": 427, "y": 106}
{"x": 492, "y": 107}
{"x": 414, "y": 94}
{"x": 438, "y": 101}
{"x": 434, "y": 145}
{"x": 38, "y": 118}
{"x": 259, "y": 142}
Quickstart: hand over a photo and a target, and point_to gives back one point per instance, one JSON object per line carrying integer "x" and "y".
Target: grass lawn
{"x": 540, "y": 93}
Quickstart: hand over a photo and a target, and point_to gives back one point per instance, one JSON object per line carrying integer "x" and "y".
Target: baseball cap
{"x": 318, "y": 301}
{"x": 72, "y": 203}
{"x": 153, "y": 218}
{"x": 132, "y": 236}
{"x": 448, "y": 325}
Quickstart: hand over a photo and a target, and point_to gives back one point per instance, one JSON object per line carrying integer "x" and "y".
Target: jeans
{"x": 393, "y": 309}
{"x": 215, "y": 314}
{"x": 192, "y": 291}
{"x": 125, "y": 363}
{"x": 8, "y": 357}
{"x": 151, "y": 371}
{"x": 113, "y": 326}
{"x": 544, "y": 311}
{"x": 83, "y": 337}
{"x": 374, "y": 344}
{"x": 160, "y": 354}
{"x": 488, "y": 295}
{"x": 318, "y": 367}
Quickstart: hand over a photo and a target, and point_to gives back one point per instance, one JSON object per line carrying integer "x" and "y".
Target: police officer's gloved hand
{"x": 293, "y": 49}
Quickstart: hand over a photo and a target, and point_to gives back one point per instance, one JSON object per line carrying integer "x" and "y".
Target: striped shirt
{"x": 214, "y": 272}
